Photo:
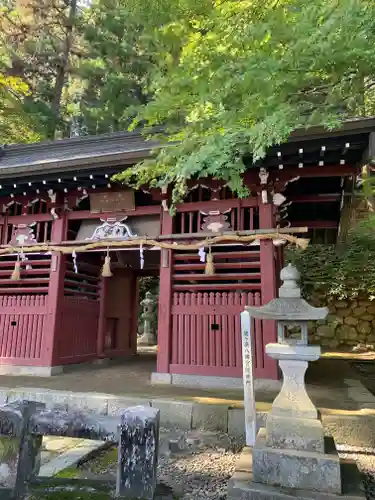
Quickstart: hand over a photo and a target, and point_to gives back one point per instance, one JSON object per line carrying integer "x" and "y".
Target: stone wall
{"x": 350, "y": 325}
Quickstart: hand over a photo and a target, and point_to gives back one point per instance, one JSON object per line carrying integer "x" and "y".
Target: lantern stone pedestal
{"x": 292, "y": 457}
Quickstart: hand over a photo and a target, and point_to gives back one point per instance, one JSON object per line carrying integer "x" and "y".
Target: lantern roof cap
{"x": 290, "y": 306}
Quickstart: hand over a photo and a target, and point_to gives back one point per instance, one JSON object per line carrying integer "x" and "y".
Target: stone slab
{"x": 95, "y": 403}
{"x": 71, "y": 457}
{"x": 295, "y": 433}
{"x": 304, "y": 470}
{"x": 236, "y": 422}
{"x": 351, "y": 429}
{"x": 50, "y": 398}
{"x": 174, "y": 414}
{"x": 242, "y": 487}
{"x": 115, "y": 404}
{"x": 210, "y": 417}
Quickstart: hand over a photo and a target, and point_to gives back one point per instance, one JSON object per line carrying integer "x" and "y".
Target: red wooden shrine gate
{"x": 203, "y": 331}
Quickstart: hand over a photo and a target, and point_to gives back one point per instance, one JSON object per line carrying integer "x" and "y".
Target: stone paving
{"x": 325, "y": 383}
{"x": 58, "y": 453}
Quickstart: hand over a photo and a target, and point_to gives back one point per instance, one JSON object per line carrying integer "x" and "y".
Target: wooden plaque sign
{"x": 116, "y": 201}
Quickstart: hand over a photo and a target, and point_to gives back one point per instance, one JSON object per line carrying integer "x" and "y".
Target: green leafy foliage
{"x": 115, "y": 70}
{"x": 84, "y": 67}
{"x": 38, "y": 45}
{"x": 346, "y": 273}
{"x": 233, "y": 78}
{"x": 15, "y": 124}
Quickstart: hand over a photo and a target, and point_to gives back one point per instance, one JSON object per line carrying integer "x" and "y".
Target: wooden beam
{"x": 216, "y": 276}
{"x": 314, "y": 198}
{"x": 139, "y": 211}
{"x": 29, "y": 219}
{"x": 320, "y": 224}
{"x": 24, "y": 290}
{"x": 217, "y": 286}
{"x": 24, "y": 281}
{"x": 218, "y": 265}
{"x": 327, "y": 171}
{"x": 222, "y": 255}
{"x": 222, "y": 205}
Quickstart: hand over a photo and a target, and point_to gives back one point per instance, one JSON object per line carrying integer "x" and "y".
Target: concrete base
{"x": 48, "y": 371}
{"x": 32, "y": 371}
{"x": 296, "y": 469}
{"x": 147, "y": 339}
{"x": 206, "y": 382}
{"x": 242, "y": 487}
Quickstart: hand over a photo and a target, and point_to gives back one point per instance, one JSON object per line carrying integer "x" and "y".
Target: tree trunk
{"x": 62, "y": 70}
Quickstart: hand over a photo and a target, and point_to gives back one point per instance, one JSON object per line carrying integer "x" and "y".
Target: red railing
{"x": 34, "y": 275}
{"x": 85, "y": 283}
{"x": 206, "y": 336}
{"x": 236, "y": 268}
{"x": 242, "y": 215}
{"x": 22, "y": 320}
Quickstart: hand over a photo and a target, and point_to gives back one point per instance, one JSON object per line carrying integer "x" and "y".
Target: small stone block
{"x": 295, "y": 469}
{"x": 174, "y": 414}
{"x": 210, "y": 417}
{"x": 116, "y": 405}
{"x": 175, "y": 445}
{"x": 138, "y": 453}
{"x": 74, "y": 424}
{"x": 295, "y": 433}
{"x": 193, "y": 442}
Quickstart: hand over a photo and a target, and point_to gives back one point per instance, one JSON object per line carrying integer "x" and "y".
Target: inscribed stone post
{"x": 248, "y": 379}
{"x": 138, "y": 453}
{"x": 19, "y": 450}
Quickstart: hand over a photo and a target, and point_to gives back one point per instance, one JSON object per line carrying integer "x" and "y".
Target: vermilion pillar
{"x": 102, "y": 323}
{"x": 165, "y": 300}
{"x": 55, "y": 293}
{"x": 268, "y": 283}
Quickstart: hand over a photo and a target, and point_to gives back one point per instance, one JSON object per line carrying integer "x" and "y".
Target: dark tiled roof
{"x": 80, "y": 152}
{"x": 124, "y": 148}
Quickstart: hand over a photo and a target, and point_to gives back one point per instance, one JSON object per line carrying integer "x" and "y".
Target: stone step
{"x": 242, "y": 487}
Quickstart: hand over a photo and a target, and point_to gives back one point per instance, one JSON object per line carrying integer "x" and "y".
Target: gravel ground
{"x": 366, "y": 372}
{"x": 192, "y": 466}
{"x": 197, "y": 466}
{"x": 365, "y": 459}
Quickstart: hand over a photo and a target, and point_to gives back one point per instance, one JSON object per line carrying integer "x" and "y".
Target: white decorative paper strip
{"x": 141, "y": 257}
{"x": 202, "y": 254}
{"x": 74, "y": 257}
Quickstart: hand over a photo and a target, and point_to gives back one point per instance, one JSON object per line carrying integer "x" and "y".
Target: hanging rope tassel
{"x": 16, "y": 274}
{"x": 210, "y": 267}
{"x": 106, "y": 269}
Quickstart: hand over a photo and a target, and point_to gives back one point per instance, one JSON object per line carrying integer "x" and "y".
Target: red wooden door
{"x": 206, "y": 336}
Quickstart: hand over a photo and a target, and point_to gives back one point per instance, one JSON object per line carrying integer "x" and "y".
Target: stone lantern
{"x": 148, "y": 337}
{"x": 292, "y": 451}
{"x": 292, "y": 314}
